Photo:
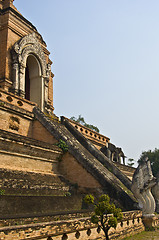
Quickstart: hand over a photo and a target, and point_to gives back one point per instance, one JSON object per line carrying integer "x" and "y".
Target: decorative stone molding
{"x": 29, "y": 45}
{"x": 73, "y": 228}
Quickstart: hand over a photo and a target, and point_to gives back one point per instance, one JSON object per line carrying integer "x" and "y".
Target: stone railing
{"x": 78, "y": 228}
{"x": 16, "y": 101}
{"x": 87, "y": 155}
{"x": 98, "y": 139}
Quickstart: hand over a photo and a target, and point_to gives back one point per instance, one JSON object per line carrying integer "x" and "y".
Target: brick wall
{"x": 12, "y": 206}
{"x": 76, "y": 173}
{"x": 23, "y": 183}
{"x": 17, "y": 117}
{"x": 25, "y": 154}
{"x": 13, "y": 26}
{"x": 39, "y": 132}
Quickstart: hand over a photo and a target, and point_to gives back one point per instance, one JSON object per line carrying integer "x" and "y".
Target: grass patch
{"x": 145, "y": 235}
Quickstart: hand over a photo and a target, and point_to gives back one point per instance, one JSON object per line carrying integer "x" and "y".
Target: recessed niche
{"x": 20, "y": 103}
{"x": 9, "y": 98}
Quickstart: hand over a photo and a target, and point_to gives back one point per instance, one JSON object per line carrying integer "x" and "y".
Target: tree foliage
{"x": 81, "y": 120}
{"x": 153, "y": 156}
{"x": 102, "y": 209}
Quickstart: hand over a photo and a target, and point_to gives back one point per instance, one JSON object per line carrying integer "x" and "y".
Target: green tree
{"x": 102, "y": 210}
{"x": 153, "y": 156}
{"x": 81, "y": 120}
{"x": 130, "y": 162}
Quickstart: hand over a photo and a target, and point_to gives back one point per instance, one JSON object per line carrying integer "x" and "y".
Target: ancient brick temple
{"x": 36, "y": 176}
{"x": 25, "y": 65}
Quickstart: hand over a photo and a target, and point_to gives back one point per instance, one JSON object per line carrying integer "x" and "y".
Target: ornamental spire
{"x": 6, "y": 3}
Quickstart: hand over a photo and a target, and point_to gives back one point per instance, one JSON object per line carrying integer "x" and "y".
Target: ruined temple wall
{"x": 15, "y": 114}
{"x": 15, "y": 124}
{"x": 13, "y": 26}
{"x": 76, "y": 173}
{"x": 16, "y": 117}
{"x": 14, "y": 29}
{"x": 23, "y": 183}
{"x": 3, "y": 43}
{"x": 19, "y": 153}
{"x": 41, "y": 133}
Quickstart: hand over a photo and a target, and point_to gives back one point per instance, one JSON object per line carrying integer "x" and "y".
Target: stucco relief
{"x": 29, "y": 45}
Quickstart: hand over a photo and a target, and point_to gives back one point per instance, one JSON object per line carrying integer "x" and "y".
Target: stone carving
{"x": 29, "y": 45}
{"x": 6, "y": 3}
{"x": 155, "y": 193}
{"x": 142, "y": 183}
{"x": 14, "y": 123}
{"x": 113, "y": 153}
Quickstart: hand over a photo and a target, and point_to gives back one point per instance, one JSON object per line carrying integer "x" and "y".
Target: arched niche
{"x": 34, "y": 85}
{"x": 30, "y": 68}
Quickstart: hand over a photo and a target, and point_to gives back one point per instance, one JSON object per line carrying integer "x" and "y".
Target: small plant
{"x": 2, "y": 192}
{"x": 61, "y": 144}
{"x": 101, "y": 210}
{"x": 68, "y": 194}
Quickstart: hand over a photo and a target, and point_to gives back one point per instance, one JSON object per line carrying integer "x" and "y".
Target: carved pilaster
{"x": 22, "y": 80}
{"x": 15, "y": 77}
{"x": 46, "y": 84}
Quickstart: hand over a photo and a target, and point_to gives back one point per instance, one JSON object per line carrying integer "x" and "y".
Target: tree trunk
{"x": 105, "y": 228}
{"x": 106, "y": 235}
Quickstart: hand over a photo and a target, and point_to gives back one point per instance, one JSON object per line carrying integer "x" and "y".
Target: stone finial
{"x": 6, "y": 3}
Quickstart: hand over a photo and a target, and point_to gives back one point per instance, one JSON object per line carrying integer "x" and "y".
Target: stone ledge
{"x": 12, "y": 205}
{"x": 27, "y": 140}
{"x": 28, "y": 156}
{"x": 22, "y": 183}
{"x": 16, "y": 110}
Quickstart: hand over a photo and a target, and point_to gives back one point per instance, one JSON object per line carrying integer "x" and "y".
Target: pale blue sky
{"x": 105, "y": 57}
